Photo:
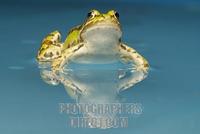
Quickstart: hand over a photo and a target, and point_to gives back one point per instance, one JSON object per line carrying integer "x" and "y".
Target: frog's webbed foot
{"x": 58, "y": 63}
{"x": 139, "y": 68}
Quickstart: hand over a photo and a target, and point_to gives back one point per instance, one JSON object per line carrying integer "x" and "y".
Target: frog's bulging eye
{"x": 92, "y": 14}
{"x": 89, "y": 14}
{"x": 117, "y": 15}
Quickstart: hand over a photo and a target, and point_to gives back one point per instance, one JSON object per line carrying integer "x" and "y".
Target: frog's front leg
{"x": 132, "y": 55}
{"x": 65, "y": 57}
{"x": 140, "y": 64}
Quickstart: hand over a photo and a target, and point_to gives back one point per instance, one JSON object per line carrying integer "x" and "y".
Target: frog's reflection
{"x": 93, "y": 85}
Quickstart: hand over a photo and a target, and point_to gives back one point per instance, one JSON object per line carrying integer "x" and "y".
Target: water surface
{"x": 168, "y": 36}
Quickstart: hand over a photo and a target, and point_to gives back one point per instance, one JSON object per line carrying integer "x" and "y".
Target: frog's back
{"x": 72, "y": 37}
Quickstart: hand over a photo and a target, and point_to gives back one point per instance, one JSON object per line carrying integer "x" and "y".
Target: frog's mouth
{"x": 101, "y": 30}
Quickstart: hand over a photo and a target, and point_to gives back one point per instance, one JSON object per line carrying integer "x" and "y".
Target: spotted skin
{"x": 50, "y": 48}
{"x": 65, "y": 57}
{"x": 129, "y": 54}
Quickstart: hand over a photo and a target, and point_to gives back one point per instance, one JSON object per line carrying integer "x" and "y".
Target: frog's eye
{"x": 92, "y": 14}
{"x": 89, "y": 14}
{"x": 117, "y": 15}
{"x": 113, "y": 13}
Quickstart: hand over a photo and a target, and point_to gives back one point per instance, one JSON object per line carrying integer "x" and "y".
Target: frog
{"x": 99, "y": 35}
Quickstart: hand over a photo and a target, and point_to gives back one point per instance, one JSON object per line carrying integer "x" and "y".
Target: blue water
{"x": 168, "y": 36}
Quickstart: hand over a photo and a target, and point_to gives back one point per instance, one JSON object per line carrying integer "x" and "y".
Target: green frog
{"x": 99, "y": 36}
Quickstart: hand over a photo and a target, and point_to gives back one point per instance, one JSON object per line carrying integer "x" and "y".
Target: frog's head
{"x": 101, "y": 26}
{"x": 50, "y": 48}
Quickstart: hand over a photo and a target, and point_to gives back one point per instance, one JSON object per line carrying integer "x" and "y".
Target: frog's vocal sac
{"x": 99, "y": 35}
